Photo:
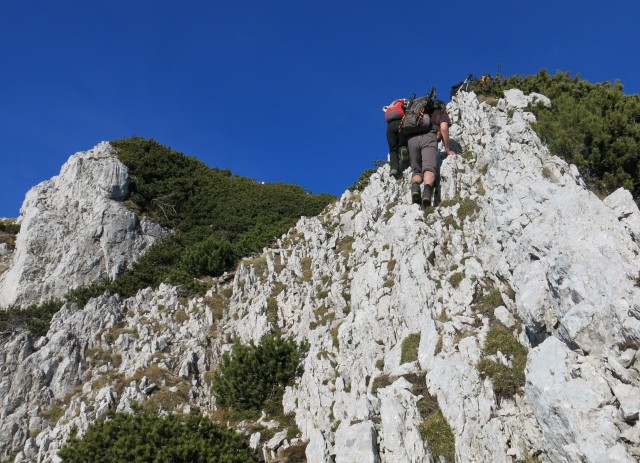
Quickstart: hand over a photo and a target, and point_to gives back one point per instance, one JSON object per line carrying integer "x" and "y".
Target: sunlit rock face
{"x": 75, "y": 230}
{"x": 393, "y": 303}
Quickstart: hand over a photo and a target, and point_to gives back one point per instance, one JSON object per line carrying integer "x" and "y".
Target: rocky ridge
{"x": 360, "y": 281}
{"x": 75, "y": 230}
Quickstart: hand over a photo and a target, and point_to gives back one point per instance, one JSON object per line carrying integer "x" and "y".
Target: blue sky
{"x": 277, "y": 91}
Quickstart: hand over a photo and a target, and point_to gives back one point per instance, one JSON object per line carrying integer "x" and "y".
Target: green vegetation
{"x": 307, "y": 273}
{"x": 486, "y": 303}
{"x": 345, "y": 245}
{"x": 335, "y": 336}
{"x": 380, "y": 382}
{"x": 439, "y": 437}
{"x": 147, "y": 437}
{"x": 272, "y": 310}
{"x": 409, "y": 348}
{"x": 323, "y": 317}
{"x": 455, "y": 279}
{"x": 434, "y": 429}
{"x": 468, "y": 155}
{"x": 12, "y": 456}
{"x": 506, "y": 381}
{"x": 365, "y": 178}
{"x": 467, "y": 207}
{"x": 216, "y": 217}
{"x": 53, "y": 414}
{"x": 594, "y": 126}
{"x": 9, "y": 228}
{"x": 250, "y": 376}
{"x": 35, "y": 318}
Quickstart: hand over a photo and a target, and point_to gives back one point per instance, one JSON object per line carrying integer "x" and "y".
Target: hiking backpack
{"x": 416, "y": 120}
{"x": 394, "y": 110}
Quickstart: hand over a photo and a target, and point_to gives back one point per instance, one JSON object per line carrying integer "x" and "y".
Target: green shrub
{"x": 9, "y": 228}
{"x": 35, "y": 318}
{"x": 409, "y": 348}
{"x": 594, "y": 126}
{"x": 147, "y": 437}
{"x": 439, "y": 437}
{"x": 365, "y": 178}
{"x": 212, "y": 256}
{"x": 250, "y": 376}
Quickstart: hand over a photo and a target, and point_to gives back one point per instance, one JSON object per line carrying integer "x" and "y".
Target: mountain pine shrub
{"x": 35, "y": 318}
{"x": 146, "y": 437}
{"x": 365, "y": 177}
{"x": 216, "y": 217}
{"x": 8, "y": 232}
{"x": 594, "y": 126}
{"x": 252, "y": 377}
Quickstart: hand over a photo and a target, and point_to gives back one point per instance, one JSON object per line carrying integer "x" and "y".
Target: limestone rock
{"x": 395, "y": 303}
{"x": 356, "y": 443}
{"x": 75, "y": 230}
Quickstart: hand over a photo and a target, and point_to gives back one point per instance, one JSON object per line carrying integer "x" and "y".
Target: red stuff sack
{"x": 394, "y": 111}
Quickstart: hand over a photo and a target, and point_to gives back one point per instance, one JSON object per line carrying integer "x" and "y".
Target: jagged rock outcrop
{"x": 517, "y": 242}
{"x": 75, "y": 230}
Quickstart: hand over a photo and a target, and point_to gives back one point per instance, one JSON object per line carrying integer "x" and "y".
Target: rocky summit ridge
{"x": 517, "y": 243}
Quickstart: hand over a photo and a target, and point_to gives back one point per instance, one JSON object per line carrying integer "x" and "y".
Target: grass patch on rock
{"x": 439, "y": 436}
{"x": 507, "y": 381}
{"x": 467, "y": 208}
{"x": 487, "y": 302}
{"x": 345, "y": 245}
{"x": 409, "y": 348}
{"x": 456, "y": 279}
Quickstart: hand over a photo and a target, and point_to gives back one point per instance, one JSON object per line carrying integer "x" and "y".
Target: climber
{"x": 398, "y": 154}
{"x": 423, "y": 152}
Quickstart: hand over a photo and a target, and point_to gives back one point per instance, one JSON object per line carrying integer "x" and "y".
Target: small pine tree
{"x": 250, "y": 375}
{"x": 146, "y": 437}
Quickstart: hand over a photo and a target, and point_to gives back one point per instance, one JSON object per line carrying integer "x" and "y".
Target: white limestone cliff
{"x": 75, "y": 230}
{"x": 368, "y": 273}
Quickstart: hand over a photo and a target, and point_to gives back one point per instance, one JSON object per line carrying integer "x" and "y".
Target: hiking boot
{"x": 394, "y": 173}
{"x": 415, "y": 193}
{"x": 426, "y": 196}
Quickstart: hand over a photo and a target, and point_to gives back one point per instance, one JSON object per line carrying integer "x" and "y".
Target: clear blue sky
{"x": 277, "y": 91}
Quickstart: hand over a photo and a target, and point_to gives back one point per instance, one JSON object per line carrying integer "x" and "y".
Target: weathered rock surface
{"x": 75, "y": 230}
{"x": 358, "y": 282}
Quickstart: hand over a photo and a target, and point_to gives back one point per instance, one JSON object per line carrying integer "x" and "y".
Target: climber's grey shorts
{"x": 423, "y": 153}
